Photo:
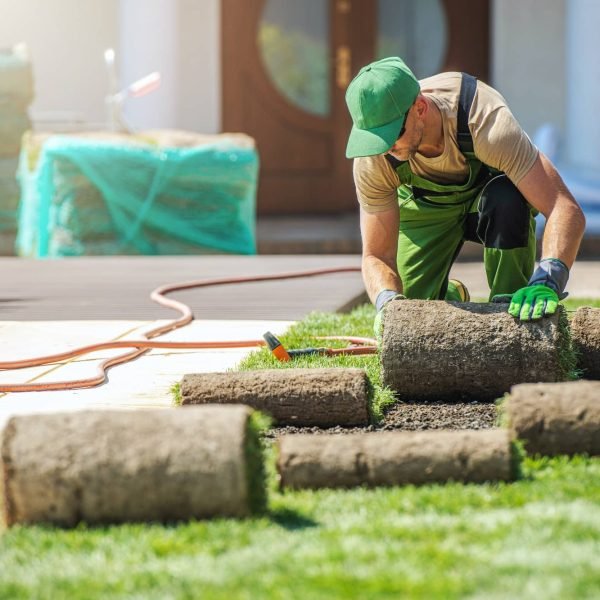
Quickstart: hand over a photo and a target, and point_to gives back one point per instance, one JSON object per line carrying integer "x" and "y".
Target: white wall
{"x": 528, "y": 59}
{"x": 583, "y": 125}
{"x": 200, "y": 65}
{"x": 149, "y": 41}
{"x": 67, "y": 39}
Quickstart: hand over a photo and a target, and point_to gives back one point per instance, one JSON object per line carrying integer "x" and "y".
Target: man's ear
{"x": 421, "y": 106}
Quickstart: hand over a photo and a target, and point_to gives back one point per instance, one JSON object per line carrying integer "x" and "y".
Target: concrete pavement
{"x": 143, "y": 383}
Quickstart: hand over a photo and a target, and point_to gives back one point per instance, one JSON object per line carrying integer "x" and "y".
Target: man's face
{"x": 409, "y": 139}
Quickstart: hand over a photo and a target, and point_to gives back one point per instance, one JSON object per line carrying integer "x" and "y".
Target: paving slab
{"x": 142, "y": 383}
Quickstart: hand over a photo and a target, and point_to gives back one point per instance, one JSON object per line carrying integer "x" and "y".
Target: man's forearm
{"x": 563, "y": 233}
{"x": 545, "y": 190}
{"x": 379, "y": 275}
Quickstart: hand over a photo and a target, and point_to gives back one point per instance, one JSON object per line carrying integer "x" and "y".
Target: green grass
{"x": 538, "y": 537}
{"x": 256, "y": 476}
{"x": 176, "y": 393}
{"x": 572, "y": 304}
{"x": 304, "y": 333}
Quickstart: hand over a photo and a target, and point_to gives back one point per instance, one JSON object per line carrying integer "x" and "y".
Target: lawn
{"x": 536, "y": 538}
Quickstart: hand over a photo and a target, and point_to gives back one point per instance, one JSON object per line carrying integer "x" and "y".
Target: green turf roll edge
{"x": 256, "y": 474}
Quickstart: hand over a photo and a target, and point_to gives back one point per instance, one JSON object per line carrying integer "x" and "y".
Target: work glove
{"x": 383, "y": 299}
{"x": 533, "y": 302}
{"x": 541, "y": 295}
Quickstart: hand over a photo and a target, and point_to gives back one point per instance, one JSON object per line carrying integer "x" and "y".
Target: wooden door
{"x": 299, "y": 119}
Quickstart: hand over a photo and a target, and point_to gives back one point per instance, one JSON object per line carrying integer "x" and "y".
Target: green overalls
{"x": 436, "y": 219}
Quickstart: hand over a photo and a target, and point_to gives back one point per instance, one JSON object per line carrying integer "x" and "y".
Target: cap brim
{"x": 368, "y": 142}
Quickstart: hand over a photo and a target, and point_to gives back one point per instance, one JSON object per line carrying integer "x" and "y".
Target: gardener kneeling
{"x": 443, "y": 160}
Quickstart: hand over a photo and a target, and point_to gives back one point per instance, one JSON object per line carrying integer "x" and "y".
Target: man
{"x": 441, "y": 161}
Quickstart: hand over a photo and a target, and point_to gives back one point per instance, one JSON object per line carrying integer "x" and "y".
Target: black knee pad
{"x": 503, "y": 215}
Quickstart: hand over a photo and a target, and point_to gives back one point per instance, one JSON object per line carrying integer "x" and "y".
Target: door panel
{"x": 416, "y": 30}
{"x": 469, "y": 37}
{"x": 286, "y": 65}
{"x": 294, "y": 42}
{"x": 288, "y": 142}
{"x": 302, "y": 167}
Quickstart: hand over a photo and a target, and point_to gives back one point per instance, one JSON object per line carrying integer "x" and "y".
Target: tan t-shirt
{"x": 498, "y": 141}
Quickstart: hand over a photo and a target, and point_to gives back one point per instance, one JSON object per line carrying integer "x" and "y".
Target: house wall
{"x": 67, "y": 39}
{"x": 181, "y": 39}
{"x": 200, "y": 91}
{"x": 583, "y": 126}
{"x": 529, "y": 59}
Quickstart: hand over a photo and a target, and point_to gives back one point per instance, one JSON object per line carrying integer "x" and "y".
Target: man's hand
{"x": 533, "y": 302}
{"x": 544, "y": 290}
{"x": 383, "y": 299}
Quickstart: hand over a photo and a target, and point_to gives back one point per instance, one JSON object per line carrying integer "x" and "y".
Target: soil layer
{"x": 417, "y": 416}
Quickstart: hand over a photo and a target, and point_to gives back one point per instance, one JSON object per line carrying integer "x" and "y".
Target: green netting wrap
{"x": 16, "y": 93}
{"x": 118, "y": 194}
{"x": 9, "y": 194}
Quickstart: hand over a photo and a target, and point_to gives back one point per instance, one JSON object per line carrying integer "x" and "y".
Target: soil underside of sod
{"x": 417, "y": 416}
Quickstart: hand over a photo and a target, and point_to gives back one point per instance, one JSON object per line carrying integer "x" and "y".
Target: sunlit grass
{"x": 538, "y": 537}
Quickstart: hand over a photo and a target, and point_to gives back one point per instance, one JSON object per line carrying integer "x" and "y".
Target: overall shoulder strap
{"x": 393, "y": 161}
{"x": 402, "y": 168}
{"x": 468, "y": 87}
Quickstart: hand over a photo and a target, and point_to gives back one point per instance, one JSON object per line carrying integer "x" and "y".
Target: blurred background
{"x": 90, "y": 164}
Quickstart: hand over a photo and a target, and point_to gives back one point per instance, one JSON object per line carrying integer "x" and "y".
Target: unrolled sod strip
{"x": 585, "y": 330}
{"x": 394, "y": 458}
{"x": 556, "y": 418}
{"x": 450, "y": 351}
{"x": 304, "y": 397}
{"x": 144, "y": 465}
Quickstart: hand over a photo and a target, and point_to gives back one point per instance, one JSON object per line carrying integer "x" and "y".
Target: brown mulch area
{"x": 417, "y": 416}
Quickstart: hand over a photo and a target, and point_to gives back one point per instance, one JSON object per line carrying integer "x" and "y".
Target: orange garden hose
{"x": 361, "y": 345}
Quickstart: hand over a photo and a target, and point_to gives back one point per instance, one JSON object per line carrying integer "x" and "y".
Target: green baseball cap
{"x": 378, "y": 99}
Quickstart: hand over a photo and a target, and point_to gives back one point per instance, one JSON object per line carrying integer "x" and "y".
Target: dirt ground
{"x": 418, "y": 416}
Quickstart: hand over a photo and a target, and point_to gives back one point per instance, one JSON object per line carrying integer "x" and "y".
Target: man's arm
{"x": 545, "y": 190}
{"x": 379, "y": 233}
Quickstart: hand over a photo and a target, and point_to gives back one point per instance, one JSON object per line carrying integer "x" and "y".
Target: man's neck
{"x": 433, "y": 143}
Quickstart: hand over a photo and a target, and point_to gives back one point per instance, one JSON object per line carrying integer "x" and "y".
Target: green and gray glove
{"x": 541, "y": 296}
{"x": 383, "y": 299}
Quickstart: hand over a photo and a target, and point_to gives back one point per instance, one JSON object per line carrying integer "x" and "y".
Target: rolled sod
{"x": 435, "y": 350}
{"x": 394, "y": 458}
{"x": 585, "y": 330}
{"x": 303, "y": 397}
{"x": 144, "y": 465}
{"x": 556, "y": 418}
